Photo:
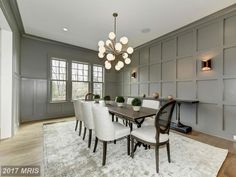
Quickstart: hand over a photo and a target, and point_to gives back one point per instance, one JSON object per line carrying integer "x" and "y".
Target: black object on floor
{"x": 180, "y": 128}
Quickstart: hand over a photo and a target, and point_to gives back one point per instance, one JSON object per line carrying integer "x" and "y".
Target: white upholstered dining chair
{"x": 106, "y": 130}
{"x": 88, "y": 119}
{"x": 154, "y": 104}
{"x": 129, "y": 100}
{"x": 78, "y": 115}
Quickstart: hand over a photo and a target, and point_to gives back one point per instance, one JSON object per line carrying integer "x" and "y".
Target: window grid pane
{"x": 79, "y": 71}
{"x": 97, "y": 74}
{"x": 58, "y": 69}
{"x": 98, "y": 89}
{"x": 79, "y": 89}
{"x": 58, "y": 90}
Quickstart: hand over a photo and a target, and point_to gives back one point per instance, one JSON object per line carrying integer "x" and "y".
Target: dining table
{"x": 127, "y": 113}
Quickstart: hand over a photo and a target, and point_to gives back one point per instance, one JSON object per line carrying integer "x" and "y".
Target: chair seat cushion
{"x": 120, "y": 130}
{"x": 148, "y": 134}
{"x": 149, "y": 121}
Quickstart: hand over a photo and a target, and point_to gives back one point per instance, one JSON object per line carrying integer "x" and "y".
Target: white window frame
{"x": 89, "y": 76}
{"x": 50, "y": 79}
{"x": 103, "y": 79}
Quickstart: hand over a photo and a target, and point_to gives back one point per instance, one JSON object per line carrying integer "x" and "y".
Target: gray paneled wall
{"x": 171, "y": 65}
{"x": 35, "y": 104}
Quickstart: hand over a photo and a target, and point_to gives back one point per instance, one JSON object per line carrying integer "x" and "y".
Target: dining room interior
{"x": 118, "y": 88}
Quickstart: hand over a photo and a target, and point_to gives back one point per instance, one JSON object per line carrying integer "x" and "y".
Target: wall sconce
{"x": 133, "y": 75}
{"x": 206, "y": 65}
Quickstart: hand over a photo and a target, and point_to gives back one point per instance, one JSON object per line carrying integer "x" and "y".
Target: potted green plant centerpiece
{"x": 120, "y": 101}
{"x": 96, "y": 98}
{"x": 136, "y": 103}
{"x": 107, "y": 99}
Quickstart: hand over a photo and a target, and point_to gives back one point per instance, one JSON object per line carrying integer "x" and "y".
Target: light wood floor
{"x": 26, "y": 147}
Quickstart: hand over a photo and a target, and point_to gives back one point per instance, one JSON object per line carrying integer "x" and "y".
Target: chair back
{"x": 77, "y": 109}
{"x": 104, "y": 128}
{"x": 89, "y": 97}
{"x": 163, "y": 118}
{"x": 87, "y": 114}
{"x": 129, "y": 100}
{"x": 154, "y": 104}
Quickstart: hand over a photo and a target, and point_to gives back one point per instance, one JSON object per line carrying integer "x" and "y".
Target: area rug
{"x": 67, "y": 155}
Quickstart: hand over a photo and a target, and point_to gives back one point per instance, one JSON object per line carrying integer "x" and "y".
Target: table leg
{"x": 112, "y": 116}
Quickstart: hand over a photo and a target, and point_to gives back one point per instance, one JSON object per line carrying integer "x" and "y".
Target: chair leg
{"x": 128, "y": 144}
{"x": 76, "y": 124}
{"x": 90, "y": 138}
{"x": 84, "y": 133}
{"x": 168, "y": 151}
{"x": 157, "y": 158}
{"x": 80, "y": 127}
{"x": 132, "y": 146}
{"x": 95, "y": 145}
{"x": 104, "y": 153}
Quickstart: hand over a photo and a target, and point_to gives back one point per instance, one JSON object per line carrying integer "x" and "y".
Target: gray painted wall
{"x": 34, "y": 77}
{"x": 171, "y": 65}
{"x": 7, "y": 10}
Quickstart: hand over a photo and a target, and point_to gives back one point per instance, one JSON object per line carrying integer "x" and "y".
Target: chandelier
{"x": 116, "y": 53}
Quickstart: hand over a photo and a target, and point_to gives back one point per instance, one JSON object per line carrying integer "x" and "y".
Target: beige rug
{"x": 67, "y": 155}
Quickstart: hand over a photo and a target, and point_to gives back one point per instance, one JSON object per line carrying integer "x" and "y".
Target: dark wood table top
{"x": 127, "y": 112}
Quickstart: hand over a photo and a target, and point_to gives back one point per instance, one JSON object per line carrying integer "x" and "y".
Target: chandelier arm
{"x": 115, "y": 15}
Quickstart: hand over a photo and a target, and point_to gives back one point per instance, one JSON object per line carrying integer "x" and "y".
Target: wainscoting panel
{"x": 185, "y": 44}
{"x": 230, "y": 32}
{"x": 127, "y": 89}
{"x": 186, "y": 90}
{"x": 27, "y": 99}
{"x": 143, "y": 74}
{"x": 210, "y": 119}
{"x": 134, "y": 90}
{"x": 208, "y": 91}
{"x": 169, "y": 49}
{"x": 230, "y": 90}
{"x": 143, "y": 89}
{"x": 155, "y": 54}
{"x": 155, "y": 72}
{"x": 230, "y": 119}
{"x": 230, "y": 61}
{"x": 208, "y": 36}
{"x": 154, "y": 87}
{"x": 168, "y": 71}
{"x": 144, "y": 56}
{"x": 168, "y": 88}
{"x": 185, "y": 68}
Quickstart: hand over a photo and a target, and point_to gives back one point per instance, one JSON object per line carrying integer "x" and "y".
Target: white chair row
{"x": 96, "y": 117}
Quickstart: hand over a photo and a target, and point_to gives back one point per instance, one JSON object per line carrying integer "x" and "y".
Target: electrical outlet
{"x": 234, "y": 137}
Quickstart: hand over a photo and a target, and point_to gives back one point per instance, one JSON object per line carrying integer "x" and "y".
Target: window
{"x": 80, "y": 79}
{"x": 58, "y": 68}
{"x": 98, "y": 79}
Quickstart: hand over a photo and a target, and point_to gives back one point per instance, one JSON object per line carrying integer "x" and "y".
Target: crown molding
{"x": 16, "y": 13}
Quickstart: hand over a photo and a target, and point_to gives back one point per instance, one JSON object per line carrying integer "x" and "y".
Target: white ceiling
{"x": 89, "y": 21}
